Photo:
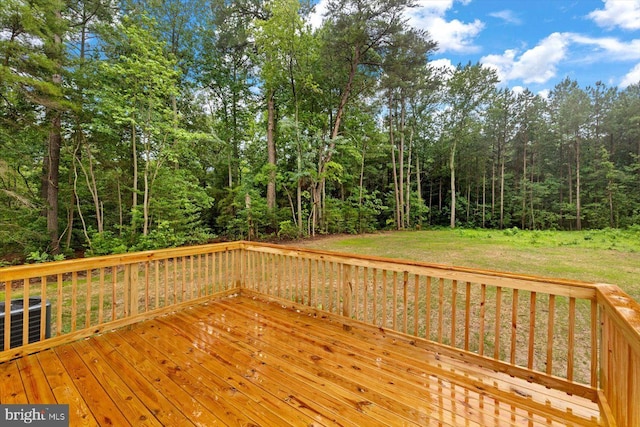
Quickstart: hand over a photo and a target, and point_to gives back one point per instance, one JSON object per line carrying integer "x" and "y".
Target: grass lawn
{"x": 602, "y": 256}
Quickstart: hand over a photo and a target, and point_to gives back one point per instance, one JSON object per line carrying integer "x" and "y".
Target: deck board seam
{"x": 558, "y": 414}
{"x": 188, "y": 323}
{"x": 294, "y": 352}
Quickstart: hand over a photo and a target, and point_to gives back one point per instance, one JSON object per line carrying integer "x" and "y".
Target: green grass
{"x": 601, "y": 256}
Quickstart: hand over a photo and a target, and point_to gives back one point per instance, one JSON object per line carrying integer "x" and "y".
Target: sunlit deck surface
{"x": 246, "y": 361}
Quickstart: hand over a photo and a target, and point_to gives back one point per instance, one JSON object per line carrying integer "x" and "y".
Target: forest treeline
{"x": 139, "y": 124}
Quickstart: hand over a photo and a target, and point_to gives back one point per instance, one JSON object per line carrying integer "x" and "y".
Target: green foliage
{"x": 39, "y": 257}
{"x": 105, "y": 243}
{"x": 287, "y": 230}
{"x": 164, "y": 131}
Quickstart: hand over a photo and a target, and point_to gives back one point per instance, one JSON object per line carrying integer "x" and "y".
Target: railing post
{"x": 347, "y": 290}
{"x": 619, "y": 357}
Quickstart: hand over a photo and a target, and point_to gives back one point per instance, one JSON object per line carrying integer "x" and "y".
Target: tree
{"x": 135, "y": 88}
{"x": 353, "y": 32}
{"x": 404, "y": 63}
{"x": 571, "y": 108}
{"x": 467, "y": 92}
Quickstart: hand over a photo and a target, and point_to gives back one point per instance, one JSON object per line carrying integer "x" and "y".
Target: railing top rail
{"x": 564, "y": 287}
{"x": 61, "y": 267}
{"x": 623, "y": 310}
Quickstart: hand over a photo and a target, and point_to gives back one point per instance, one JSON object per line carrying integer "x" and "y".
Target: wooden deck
{"x": 245, "y": 361}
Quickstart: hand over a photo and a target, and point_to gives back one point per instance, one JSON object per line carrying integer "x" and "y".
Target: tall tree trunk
{"x": 532, "y": 168}
{"x": 502, "y": 192}
{"x": 524, "y": 186}
{"x": 484, "y": 196}
{"x": 419, "y": 188}
{"x": 53, "y": 156}
{"x": 271, "y": 150}
{"x": 134, "y": 157}
{"x": 53, "y": 175}
{"x": 360, "y": 187}
{"x": 394, "y": 164}
{"x": 452, "y": 168}
{"x": 407, "y": 213}
{"x": 578, "y": 210}
{"x": 402, "y": 219}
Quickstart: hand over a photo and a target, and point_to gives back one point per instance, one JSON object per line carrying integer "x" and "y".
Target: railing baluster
{"x": 156, "y": 282}
{"x": 6, "y": 335}
{"x": 571, "y": 338}
{"x": 532, "y": 330}
{"x": 43, "y": 307}
{"x": 356, "y": 292}
{"x": 440, "y": 309}
{"x": 427, "y": 311}
{"x": 514, "y": 326}
{"x": 454, "y": 295}
{"x": 483, "y": 307}
{"x": 365, "y": 296}
{"x": 498, "y": 312}
{"x": 74, "y": 299}
{"x": 416, "y": 303}
{"x": 375, "y": 296}
{"x": 467, "y": 315}
{"x": 87, "y": 316}
{"x": 405, "y": 286}
{"x": 594, "y": 343}
{"x": 184, "y": 284}
{"x": 25, "y": 311}
{"x": 206, "y": 275}
{"x": 550, "y": 327}
{"x": 394, "y": 300}
{"x": 191, "y": 284}
{"x": 384, "y": 298}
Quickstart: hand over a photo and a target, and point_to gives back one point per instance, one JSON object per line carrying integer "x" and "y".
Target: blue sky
{"x": 536, "y": 43}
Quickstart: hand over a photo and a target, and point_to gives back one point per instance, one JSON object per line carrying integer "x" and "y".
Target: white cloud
{"x": 612, "y": 47}
{"x": 316, "y": 17}
{"x": 536, "y": 65}
{"x": 618, "y": 13}
{"x": 544, "y": 93}
{"x": 508, "y": 16}
{"x": 632, "y": 77}
{"x": 452, "y": 36}
{"x": 443, "y": 64}
{"x": 517, "y": 90}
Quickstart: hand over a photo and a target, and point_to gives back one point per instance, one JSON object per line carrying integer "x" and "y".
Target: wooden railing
{"x": 620, "y": 355}
{"x": 90, "y": 295}
{"x": 539, "y": 329}
{"x": 577, "y": 337}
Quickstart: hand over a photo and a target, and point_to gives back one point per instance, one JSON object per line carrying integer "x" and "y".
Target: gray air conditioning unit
{"x": 17, "y": 313}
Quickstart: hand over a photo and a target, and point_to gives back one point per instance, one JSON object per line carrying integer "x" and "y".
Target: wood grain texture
{"x": 247, "y": 362}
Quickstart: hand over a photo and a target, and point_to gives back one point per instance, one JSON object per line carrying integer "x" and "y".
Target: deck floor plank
{"x": 103, "y": 408}
{"x": 64, "y": 390}
{"x": 191, "y": 408}
{"x": 247, "y": 362}
{"x": 386, "y": 345}
{"x": 291, "y": 387}
{"x": 410, "y": 403}
{"x": 382, "y": 368}
{"x": 243, "y": 374}
{"x": 154, "y": 400}
{"x": 184, "y": 365}
{"x": 35, "y": 381}
{"x": 116, "y": 387}
{"x": 11, "y": 387}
